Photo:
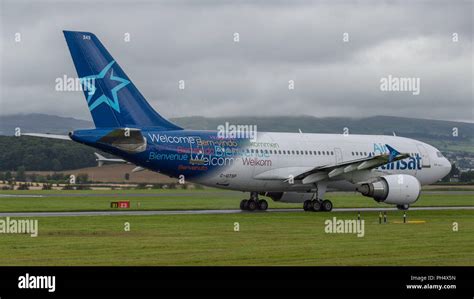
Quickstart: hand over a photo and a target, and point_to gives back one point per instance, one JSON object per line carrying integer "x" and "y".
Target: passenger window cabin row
{"x": 310, "y": 153}
{"x": 291, "y": 152}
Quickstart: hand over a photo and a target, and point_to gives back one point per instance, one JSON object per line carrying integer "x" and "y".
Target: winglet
{"x": 393, "y": 153}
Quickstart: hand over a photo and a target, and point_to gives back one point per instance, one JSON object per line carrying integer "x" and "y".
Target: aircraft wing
{"x": 328, "y": 171}
{"x": 52, "y": 136}
{"x": 281, "y": 173}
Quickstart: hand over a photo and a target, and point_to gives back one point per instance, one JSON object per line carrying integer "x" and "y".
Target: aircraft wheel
{"x": 307, "y": 205}
{"x": 403, "y": 207}
{"x": 316, "y": 205}
{"x": 251, "y": 205}
{"x": 243, "y": 204}
{"x": 262, "y": 205}
{"x": 326, "y": 205}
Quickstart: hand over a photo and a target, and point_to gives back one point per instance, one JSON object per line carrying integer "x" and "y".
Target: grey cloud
{"x": 280, "y": 41}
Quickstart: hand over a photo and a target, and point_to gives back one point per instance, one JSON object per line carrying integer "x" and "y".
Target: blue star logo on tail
{"x": 105, "y": 88}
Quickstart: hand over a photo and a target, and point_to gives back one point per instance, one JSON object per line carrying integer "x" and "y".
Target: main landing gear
{"x": 253, "y": 203}
{"x": 316, "y": 205}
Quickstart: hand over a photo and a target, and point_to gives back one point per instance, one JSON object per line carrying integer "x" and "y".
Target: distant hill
{"x": 43, "y": 123}
{"x": 371, "y": 125}
{"x": 47, "y": 154}
{"x": 436, "y": 132}
{"x": 40, "y": 123}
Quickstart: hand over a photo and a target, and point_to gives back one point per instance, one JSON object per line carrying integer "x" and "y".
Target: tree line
{"x": 42, "y": 154}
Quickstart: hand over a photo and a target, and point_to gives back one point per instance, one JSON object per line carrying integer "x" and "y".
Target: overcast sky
{"x": 279, "y": 41}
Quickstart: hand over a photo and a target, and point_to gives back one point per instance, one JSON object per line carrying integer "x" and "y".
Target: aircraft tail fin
{"x": 113, "y": 99}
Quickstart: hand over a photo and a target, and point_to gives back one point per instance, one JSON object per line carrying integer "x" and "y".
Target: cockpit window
{"x": 439, "y": 154}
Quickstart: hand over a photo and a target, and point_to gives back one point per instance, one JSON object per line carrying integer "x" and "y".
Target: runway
{"x": 124, "y": 195}
{"x": 182, "y": 194}
{"x": 209, "y": 212}
{"x": 19, "y": 195}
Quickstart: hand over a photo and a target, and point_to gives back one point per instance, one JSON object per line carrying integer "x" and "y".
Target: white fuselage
{"x": 275, "y": 155}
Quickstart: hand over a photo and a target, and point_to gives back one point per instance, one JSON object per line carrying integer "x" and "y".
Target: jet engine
{"x": 399, "y": 189}
{"x": 289, "y": 197}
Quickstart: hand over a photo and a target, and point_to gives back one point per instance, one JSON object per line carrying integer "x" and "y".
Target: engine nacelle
{"x": 399, "y": 189}
{"x": 289, "y": 197}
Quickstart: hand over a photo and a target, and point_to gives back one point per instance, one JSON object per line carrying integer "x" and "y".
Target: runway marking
{"x": 114, "y": 195}
{"x": 208, "y": 212}
{"x": 20, "y": 195}
{"x": 410, "y": 222}
{"x": 184, "y": 194}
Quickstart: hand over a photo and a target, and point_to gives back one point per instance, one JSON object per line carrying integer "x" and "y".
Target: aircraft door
{"x": 425, "y": 157}
{"x": 338, "y": 155}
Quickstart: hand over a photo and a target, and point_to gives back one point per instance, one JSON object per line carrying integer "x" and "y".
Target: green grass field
{"x": 287, "y": 238}
{"x": 263, "y": 239}
{"x": 189, "y": 199}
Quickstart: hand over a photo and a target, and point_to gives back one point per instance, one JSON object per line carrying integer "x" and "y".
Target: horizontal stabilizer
{"x": 101, "y": 160}
{"x": 52, "y": 136}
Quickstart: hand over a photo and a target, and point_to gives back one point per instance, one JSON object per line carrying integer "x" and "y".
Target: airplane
{"x": 286, "y": 167}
